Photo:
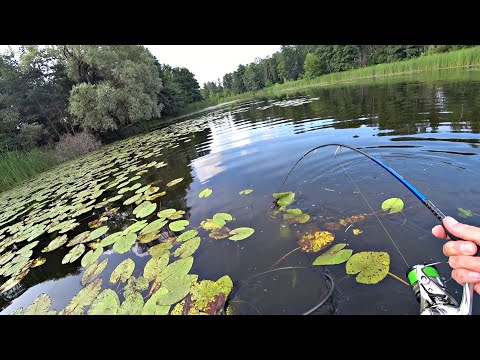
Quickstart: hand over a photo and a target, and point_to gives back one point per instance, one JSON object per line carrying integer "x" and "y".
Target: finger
{"x": 439, "y": 232}
{"x": 471, "y": 263}
{"x": 453, "y": 248}
{"x": 477, "y": 288}
{"x": 462, "y": 231}
{"x": 463, "y": 276}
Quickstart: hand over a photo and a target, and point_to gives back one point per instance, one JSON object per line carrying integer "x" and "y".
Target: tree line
{"x": 294, "y": 62}
{"x": 52, "y": 91}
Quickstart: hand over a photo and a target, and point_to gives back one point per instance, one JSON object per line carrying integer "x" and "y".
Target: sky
{"x": 206, "y": 62}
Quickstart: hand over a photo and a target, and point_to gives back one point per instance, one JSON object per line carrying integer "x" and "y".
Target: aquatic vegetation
{"x": 246, "y": 191}
{"x": 333, "y": 256}
{"x": 371, "y": 266}
{"x": 393, "y": 204}
{"x": 205, "y": 193}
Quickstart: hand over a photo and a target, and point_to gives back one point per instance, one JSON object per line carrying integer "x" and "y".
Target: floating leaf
{"x": 178, "y": 225}
{"x": 351, "y": 220}
{"x": 95, "y": 234}
{"x": 241, "y": 233}
{"x": 153, "y": 226}
{"x": 221, "y": 233}
{"x": 134, "y": 187}
{"x": 160, "y": 249}
{"x": 93, "y": 271}
{"x": 284, "y": 199}
{"x": 245, "y": 192}
{"x": 395, "y": 205}
{"x": 73, "y": 254}
{"x": 97, "y": 223}
{"x": 4, "y": 258}
{"x": 115, "y": 198}
{"x": 146, "y": 238}
{"x": 132, "y": 305}
{"x": 38, "y": 262}
{"x": 152, "y": 308}
{"x": 135, "y": 227}
{"x": 84, "y": 298}
{"x": 187, "y": 235}
{"x": 177, "y": 288}
{"x": 205, "y": 193}
{"x": 174, "y": 182}
{"x": 107, "y": 303}
{"x": 18, "y": 311}
{"x": 357, "y": 231}
{"x": 143, "y": 189}
{"x": 333, "y": 256}
{"x": 221, "y": 218}
{"x": 464, "y": 213}
{"x": 176, "y": 215}
{"x": 315, "y": 242}
{"x": 125, "y": 243}
{"x": 110, "y": 239}
{"x": 39, "y": 306}
{"x": 293, "y": 216}
{"x": 26, "y": 254}
{"x": 210, "y": 296}
{"x": 155, "y": 196}
{"x": 134, "y": 285}
{"x": 372, "y": 266}
{"x": 27, "y": 248}
{"x": 60, "y": 226}
{"x": 91, "y": 256}
{"x": 123, "y": 271}
{"x": 132, "y": 199}
{"x": 144, "y": 209}
{"x": 177, "y": 268}
{"x": 79, "y": 239}
{"x": 187, "y": 248}
{"x": 166, "y": 213}
{"x": 155, "y": 266}
{"x": 68, "y": 228}
{"x": 10, "y": 283}
{"x": 210, "y": 225}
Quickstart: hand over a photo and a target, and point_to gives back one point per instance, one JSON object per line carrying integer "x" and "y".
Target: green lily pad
{"x": 110, "y": 239}
{"x": 294, "y": 216}
{"x": 74, "y": 254}
{"x": 93, "y": 271}
{"x": 132, "y": 199}
{"x": 37, "y": 232}
{"x": 5, "y": 257}
{"x": 135, "y": 285}
{"x": 95, "y": 234}
{"x": 107, "y": 303}
{"x": 176, "y": 215}
{"x": 133, "y": 305}
{"x": 68, "y": 228}
{"x": 333, "y": 256}
{"x": 221, "y": 218}
{"x": 144, "y": 209}
{"x": 124, "y": 190}
{"x": 371, "y": 266}
{"x": 187, "y": 235}
{"x": 151, "y": 190}
{"x": 221, "y": 233}
{"x": 246, "y": 191}
{"x": 155, "y": 266}
{"x": 241, "y": 233}
{"x": 176, "y": 268}
{"x": 60, "y": 226}
{"x": 284, "y": 199}
{"x": 464, "y": 213}
{"x": 79, "y": 239}
{"x": 393, "y": 204}
{"x": 125, "y": 243}
{"x": 174, "y": 182}
{"x": 91, "y": 256}
{"x": 135, "y": 186}
{"x": 155, "y": 196}
{"x": 149, "y": 237}
{"x": 178, "y": 225}
{"x": 26, "y": 254}
{"x": 84, "y": 298}
{"x": 205, "y": 193}
{"x": 123, "y": 271}
{"x": 27, "y": 248}
{"x": 143, "y": 189}
{"x": 153, "y": 226}
{"x": 187, "y": 248}
{"x": 166, "y": 213}
{"x": 135, "y": 227}
{"x": 160, "y": 249}
{"x": 115, "y": 198}
{"x": 177, "y": 288}
{"x": 39, "y": 306}
{"x": 38, "y": 262}
{"x": 152, "y": 308}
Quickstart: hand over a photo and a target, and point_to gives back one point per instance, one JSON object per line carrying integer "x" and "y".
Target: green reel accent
{"x": 428, "y": 270}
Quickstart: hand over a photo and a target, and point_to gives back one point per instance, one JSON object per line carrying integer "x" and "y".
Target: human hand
{"x": 461, "y": 253}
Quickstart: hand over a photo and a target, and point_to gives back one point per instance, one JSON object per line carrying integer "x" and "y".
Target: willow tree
{"x": 116, "y": 85}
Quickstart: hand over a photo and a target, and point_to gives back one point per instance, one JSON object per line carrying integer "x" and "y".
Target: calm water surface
{"x": 428, "y": 131}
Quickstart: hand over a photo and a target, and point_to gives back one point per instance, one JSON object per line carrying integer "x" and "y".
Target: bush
{"x": 71, "y": 146}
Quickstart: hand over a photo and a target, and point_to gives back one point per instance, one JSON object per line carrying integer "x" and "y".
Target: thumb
{"x": 462, "y": 231}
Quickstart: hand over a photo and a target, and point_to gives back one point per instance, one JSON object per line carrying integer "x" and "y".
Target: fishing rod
{"x": 427, "y": 285}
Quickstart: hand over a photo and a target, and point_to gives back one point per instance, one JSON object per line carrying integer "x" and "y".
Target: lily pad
{"x": 205, "y": 193}
{"x": 146, "y": 238}
{"x": 110, "y": 239}
{"x": 5, "y": 257}
{"x": 166, "y": 213}
{"x": 371, "y": 266}
{"x": 123, "y": 271}
{"x": 187, "y": 235}
{"x": 284, "y": 199}
{"x": 97, "y": 223}
{"x": 395, "y": 205}
{"x": 178, "y": 225}
{"x": 79, "y": 239}
{"x": 93, "y": 271}
{"x": 221, "y": 233}
{"x": 241, "y": 233}
{"x": 125, "y": 243}
{"x": 349, "y": 220}
{"x": 174, "y": 182}
{"x": 27, "y": 248}
{"x": 176, "y": 215}
{"x": 74, "y": 254}
{"x": 154, "y": 196}
{"x": 135, "y": 227}
{"x": 221, "y": 218}
{"x": 91, "y": 256}
{"x": 60, "y": 226}
{"x": 293, "y": 216}
{"x": 135, "y": 285}
{"x": 132, "y": 305}
{"x": 210, "y": 296}
{"x": 176, "y": 268}
{"x": 464, "y": 213}
{"x": 155, "y": 266}
{"x": 151, "y": 190}
{"x": 177, "y": 288}
{"x": 84, "y": 298}
{"x": 107, "y": 303}
{"x": 333, "y": 256}
{"x": 142, "y": 189}
{"x": 246, "y": 191}
{"x": 38, "y": 262}
{"x": 95, "y": 234}
{"x": 357, "y": 231}
{"x": 152, "y": 308}
{"x": 115, "y": 198}
{"x": 144, "y": 209}
{"x": 153, "y": 226}
{"x": 132, "y": 199}
{"x": 187, "y": 248}
{"x": 315, "y": 242}
{"x": 160, "y": 249}
{"x": 39, "y": 306}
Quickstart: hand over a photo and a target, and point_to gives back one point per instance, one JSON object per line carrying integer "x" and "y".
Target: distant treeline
{"x": 47, "y": 93}
{"x": 295, "y": 62}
